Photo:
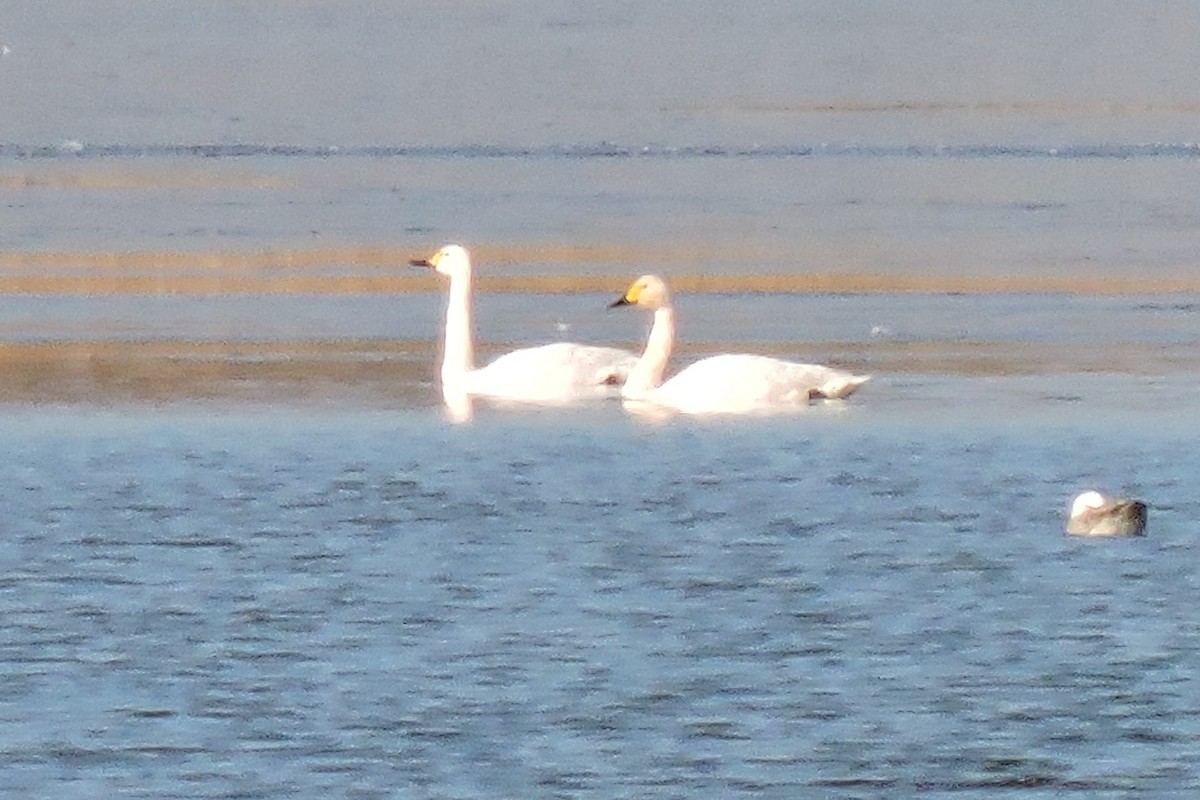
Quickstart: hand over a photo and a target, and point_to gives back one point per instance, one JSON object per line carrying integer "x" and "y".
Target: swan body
{"x": 723, "y": 384}
{"x": 552, "y": 373}
{"x": 559, "y": 371}
{"x": 1096, "y": 514}
{"x": 732, "y": 383}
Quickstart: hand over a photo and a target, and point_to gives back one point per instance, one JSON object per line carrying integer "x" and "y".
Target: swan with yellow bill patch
{"x": 724, "y": 384}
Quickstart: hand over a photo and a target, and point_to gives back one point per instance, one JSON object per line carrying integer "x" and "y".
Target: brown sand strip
{"x": 385, "y": 271}
{"x": 401, "y": 372}
{"x": 164, "y": 371}
{"x": 231, "y": 284}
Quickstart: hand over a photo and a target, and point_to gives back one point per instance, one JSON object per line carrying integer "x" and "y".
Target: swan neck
{"x": 458, "y": 356}
{"x": 647, "y": 374}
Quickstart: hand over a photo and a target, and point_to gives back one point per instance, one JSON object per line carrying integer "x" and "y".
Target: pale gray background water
{"x": 298, "y": 598}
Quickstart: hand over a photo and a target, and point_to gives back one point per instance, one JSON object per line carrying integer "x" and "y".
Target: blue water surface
{"x": 215, "y": 603}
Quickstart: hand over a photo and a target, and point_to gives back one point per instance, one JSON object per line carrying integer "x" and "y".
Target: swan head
{"x": 1096, "y": 514}
{"x": 648, "y": 291}
{"x": 452, "y": 260}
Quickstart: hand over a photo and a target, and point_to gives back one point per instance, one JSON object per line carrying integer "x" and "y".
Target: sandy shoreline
{"x": 533, "y": 270}
{"x": 399, "y": 373}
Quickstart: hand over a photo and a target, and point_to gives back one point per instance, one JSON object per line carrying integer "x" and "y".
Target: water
{"x": 296, "y": 604}
{"x": 247, "y": 555}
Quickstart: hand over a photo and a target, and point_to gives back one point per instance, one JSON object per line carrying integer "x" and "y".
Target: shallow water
{"x": 247, "y": 555}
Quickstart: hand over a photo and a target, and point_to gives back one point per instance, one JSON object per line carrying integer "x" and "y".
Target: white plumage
{"x": 1096, "y": 514}
{"x": 552, "y": 373}
{"x": 724, "y": 384}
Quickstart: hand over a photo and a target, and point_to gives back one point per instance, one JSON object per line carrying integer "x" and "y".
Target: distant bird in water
{"x": 1097, "y": 514}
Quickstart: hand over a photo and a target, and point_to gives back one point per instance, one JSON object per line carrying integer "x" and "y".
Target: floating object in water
{"x": 724, "y": 384}
{"x": 553, "y": 373}
{"x": 1097, "y": 514}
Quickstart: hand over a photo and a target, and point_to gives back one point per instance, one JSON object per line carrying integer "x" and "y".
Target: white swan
{"x": 552, "y": 373}
{"x": 1097, "y": 514}
{"x": 724, "y": 384}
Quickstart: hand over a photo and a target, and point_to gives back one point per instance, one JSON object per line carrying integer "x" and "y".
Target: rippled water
{"x": 268, "y": 604}
{"x": 246, "y": 555}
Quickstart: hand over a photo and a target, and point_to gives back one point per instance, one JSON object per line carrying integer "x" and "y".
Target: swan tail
{"x": 839, "y": 388}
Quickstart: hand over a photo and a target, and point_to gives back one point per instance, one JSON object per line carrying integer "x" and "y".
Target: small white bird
{"x": 1097, "y": 514}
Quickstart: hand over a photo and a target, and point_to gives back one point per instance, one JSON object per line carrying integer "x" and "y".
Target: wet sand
{"x": 262, "y": 325}
{"x": 554, "y": 269}
{"x": 400, "y": 373}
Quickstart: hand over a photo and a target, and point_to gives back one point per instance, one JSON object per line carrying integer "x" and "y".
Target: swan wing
{"x": 557, "y": 372}
{"x": 741, "y": 383}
